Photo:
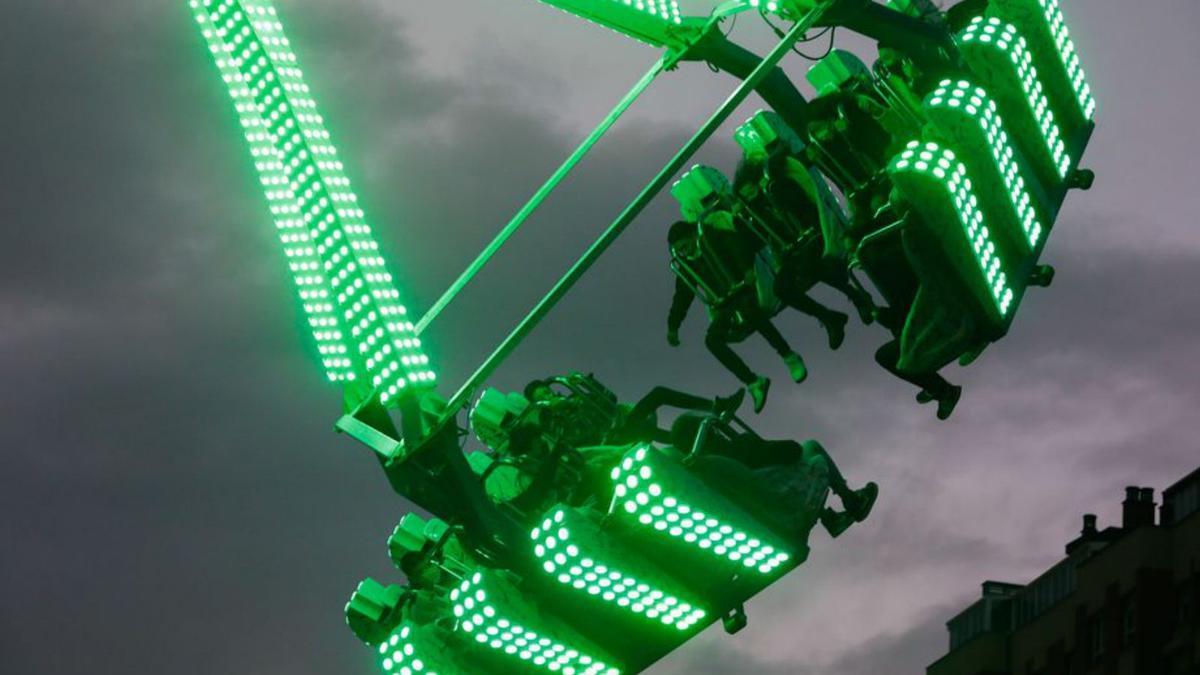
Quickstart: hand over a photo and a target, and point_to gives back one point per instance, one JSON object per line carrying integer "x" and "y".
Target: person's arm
{"x": 680, "y": 304}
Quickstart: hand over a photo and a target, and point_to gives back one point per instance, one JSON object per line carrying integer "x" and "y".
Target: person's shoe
{"x": 863, "y": 500}
{"x": 835, "y": 327}
{"x": 796, "y": 367}
{"x": 758, "y": 393}
{"x": 925, "y": 396}
{"x": 947, "y": 402}
{"x": 968, "y": 357}
{"x": 727, "y": 406}
{"x": 836, "y": 522}
{"x": 865, "y": 307}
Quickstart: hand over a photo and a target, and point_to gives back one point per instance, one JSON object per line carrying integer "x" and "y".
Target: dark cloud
{"x": 175, "y": 497}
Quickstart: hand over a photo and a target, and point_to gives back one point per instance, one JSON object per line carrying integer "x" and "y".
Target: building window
{"x": 1096, "y": 638}
{"x": 1129, "y": 624}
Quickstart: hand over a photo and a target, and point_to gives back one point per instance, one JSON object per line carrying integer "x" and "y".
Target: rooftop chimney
{"x": 1089, "y": 525}
{"x": 1138, "y": 508}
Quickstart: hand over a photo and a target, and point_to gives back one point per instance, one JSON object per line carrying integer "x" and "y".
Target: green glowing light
{"x": 988, "y": 41}
{"x": 362, "y": 329}
{"x": 562, "y": 546}
{"x": 939, "y": 166}
{"x": 790, "y": 9}
{"x": 404, "y": 653}
{"x": 489, "y": 626}
{"x": 964, "y": 99}
{"x": 1046, "y": 27}
{"x": 657, "y": 22}
{"x": 654, "y": 493}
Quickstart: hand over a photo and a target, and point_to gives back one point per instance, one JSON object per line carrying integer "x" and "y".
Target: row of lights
{"x": 975, "y": 102}
{"x": 942, "y": 165}
{"x": 992, "y": 33}
{"x": 271, "y": 90}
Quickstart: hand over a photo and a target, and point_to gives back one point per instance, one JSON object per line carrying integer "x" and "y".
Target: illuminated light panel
{"x": 405, "y": 654}
{"x": 651, "y": 21}
{"x": 1050, "y": 14}
{"x": 973, "y": 101}
{"x": 994, "y": 34}
{"x": 490, "y": 627}
{"x": 941, "y": 166}
{"x": 644, "y": 493}
{"x": 1070, "y": 58}
{"x": 361, "y": 327}
{"x": 562, "y": 557}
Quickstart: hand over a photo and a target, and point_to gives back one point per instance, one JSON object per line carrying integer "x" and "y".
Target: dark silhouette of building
{"x": 1124, "y": 601}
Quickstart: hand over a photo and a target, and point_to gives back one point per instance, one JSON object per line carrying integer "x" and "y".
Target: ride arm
{"x": 776, "y": 89}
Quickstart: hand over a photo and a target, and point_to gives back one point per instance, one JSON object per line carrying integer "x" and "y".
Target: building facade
{"x": 1124, "y": 601}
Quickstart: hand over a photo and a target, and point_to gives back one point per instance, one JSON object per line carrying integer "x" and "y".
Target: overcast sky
{"x": 174, "y": 498}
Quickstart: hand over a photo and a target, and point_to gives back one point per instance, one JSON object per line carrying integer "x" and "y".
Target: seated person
{"x": 928, "y": 331}
{"x": 520, "y": 432}
{"x": 790, "y": 199}
{"x": 853, "y": 135}
{"x": 718, "y": 262}
{"x": 789, "y": 478}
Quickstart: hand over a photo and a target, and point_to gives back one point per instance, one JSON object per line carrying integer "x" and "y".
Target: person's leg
{"x": 791, "y": 358}
{"x": 665, "y": 396}
{"x": 642, "y": 419}
{"x": 793, "y": 294}
{"x": 857, "y": 504}
{"x": 835, "y": 275}
{"x": 717, "y": 342}
{"x": 889, "y": 355}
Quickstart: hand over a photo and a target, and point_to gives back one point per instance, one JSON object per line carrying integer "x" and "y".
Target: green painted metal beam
{"x": 631, "y": 212}
{"x": 544, "y": 191}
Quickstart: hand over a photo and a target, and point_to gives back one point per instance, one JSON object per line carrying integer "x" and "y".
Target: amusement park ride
{"x": 582, "y": 538}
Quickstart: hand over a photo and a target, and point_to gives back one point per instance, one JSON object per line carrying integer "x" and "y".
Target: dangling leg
{"x": 717, "y": 341}
{"x": 771, "y": 334}
{"x": 642, "y": 418}
{"x": 933, "y": 386}
{"x": 835, "y": 275}
{"x": 790, "y": 291}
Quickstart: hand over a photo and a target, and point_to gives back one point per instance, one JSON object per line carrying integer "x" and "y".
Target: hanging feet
{"x": 946, "y": 400}
{"x": 835, "y": 327}
{"x": 796, "y": 367}
{"x": 726, "y": 407}
{"x": 758, "y": 392}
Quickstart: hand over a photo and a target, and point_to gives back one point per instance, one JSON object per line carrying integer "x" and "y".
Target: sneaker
{"x": 835, "y": 327}
{"x": 758, "y": 393}
{"x": 968, "y": 357}
{"x": 727, "y": 406}
{"x": 865, "y": 307}
{"x": 836, "y": 522}
{"x": 946, "y": 403}
{"x": 925, "y": 396}
{"x": 859, "y": 506}
{"x": 796, "y": 367}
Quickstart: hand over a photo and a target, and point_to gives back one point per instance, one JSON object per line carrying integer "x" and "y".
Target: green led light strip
{"x": 343, "y": 281}
{"x": 975, "y": 102}
{"x": 400, "y": 654}
{"x": 641, "y": 496}
{"x": 485, "y": 622}
{"x": 563, "y": 559}
{"x": 652, "y": 21}
{"x": 994, "y": 34}
{"x": 1070, "y": 58}
{"x": 932, "y": 161}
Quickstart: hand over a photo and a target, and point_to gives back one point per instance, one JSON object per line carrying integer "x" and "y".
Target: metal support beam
{"x": 666, "y": 61}
{"x": 668, "y": 172}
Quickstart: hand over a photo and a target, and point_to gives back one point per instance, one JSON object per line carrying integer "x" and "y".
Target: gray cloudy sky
{"x": 174, "y": 499}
